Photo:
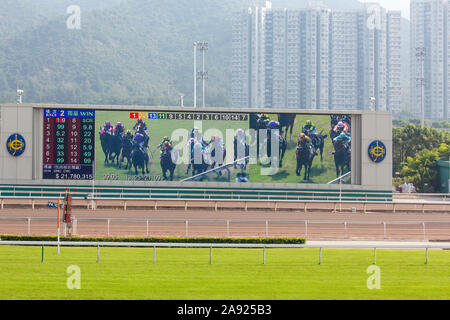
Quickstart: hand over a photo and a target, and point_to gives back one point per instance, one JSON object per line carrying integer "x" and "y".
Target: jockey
{"x": 108, "y": 126}
{"x": 264, "y": 118}
{"x": 197, "y": 135}
{"x": 240, "y": 135}
{"x": 345, "y": 140}
{"x": 119, "y": 128}
{"x": 139, "y": 139}
{"x": 140, "y": 123}
{"x": 127, "y": 136}
{"x": 305, "y": 137}
{"x": 310, "y": 127}
{"x": 309, "y": 143}
{"x": 165, "y": 139}
{"x": 341, "y": 127}
{"x": 274, "y": 125}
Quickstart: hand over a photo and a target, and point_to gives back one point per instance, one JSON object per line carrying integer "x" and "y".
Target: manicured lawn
{"x": 127, "y": 273}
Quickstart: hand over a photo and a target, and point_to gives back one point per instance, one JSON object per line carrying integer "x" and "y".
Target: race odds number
{"x": 69, "y": 144}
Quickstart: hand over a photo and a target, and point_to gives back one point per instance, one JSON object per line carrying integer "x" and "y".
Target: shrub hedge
{"x": 158, "y": 240}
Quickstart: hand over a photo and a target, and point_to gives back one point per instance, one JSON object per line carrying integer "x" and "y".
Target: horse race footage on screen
{"x": 222, "y": 147}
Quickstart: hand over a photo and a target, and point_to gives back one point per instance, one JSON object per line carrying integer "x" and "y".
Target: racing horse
{"x": 287, "y": 120}
{"x": 105, "y": 139}
{"x": 127, "y": 147}
{"x": 168, "y": 161}
{"x": 201, "y": 159}
{"x": 139, "y": 159}
{"x": 217, "y": 148}
{"x": 282, "y": 146}
{"x": 318, "y": 140}
{"x": 115, "y": 147}
{"x": 305, "y": 157}
{"x": 341, "y": 158}
{"x": 257, "y": 124}
{"x": 241, "y": 150}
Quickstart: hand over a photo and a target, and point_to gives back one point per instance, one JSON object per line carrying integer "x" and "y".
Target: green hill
{"x": 127, "y": 51}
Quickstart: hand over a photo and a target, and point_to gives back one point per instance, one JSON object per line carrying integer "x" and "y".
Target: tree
{"x": 412, "y": 139}
{"x": 422, "y": 169}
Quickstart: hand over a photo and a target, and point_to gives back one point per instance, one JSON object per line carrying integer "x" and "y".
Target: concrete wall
{"x": 26, "y": 119}
{"x": 376, "y": 126}
{"x": 17, "y": 119}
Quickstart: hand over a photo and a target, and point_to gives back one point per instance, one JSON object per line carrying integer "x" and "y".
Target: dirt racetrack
{"x": 209, "y": 223}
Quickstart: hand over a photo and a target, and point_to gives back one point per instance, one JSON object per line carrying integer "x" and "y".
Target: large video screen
{"x": 202, "y": 146}
{"x": 227, "y": 147}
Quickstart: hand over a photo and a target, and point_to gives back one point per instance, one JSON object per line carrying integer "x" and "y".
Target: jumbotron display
{"x": 69, "y": 144}
{"x": 239, "y": 147}
{"x": 222, "y": 147}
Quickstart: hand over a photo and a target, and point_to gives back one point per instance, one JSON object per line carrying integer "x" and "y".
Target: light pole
{"x": 195, "y": 74}
{"x": 372, "y": 103}
{"x": 181, "y": 99}
{"x": 420, "y": 55}
{"x": 19, "y": 96}
{"x": 204, "y": 74}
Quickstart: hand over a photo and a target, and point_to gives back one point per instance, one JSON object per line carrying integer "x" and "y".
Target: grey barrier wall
{"x": 27, "y": 119}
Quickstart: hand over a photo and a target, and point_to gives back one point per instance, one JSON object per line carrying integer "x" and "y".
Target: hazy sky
{"x": 402, "y": 5}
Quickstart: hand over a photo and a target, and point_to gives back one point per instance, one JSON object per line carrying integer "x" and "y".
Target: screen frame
{"x": 355, "y": 152}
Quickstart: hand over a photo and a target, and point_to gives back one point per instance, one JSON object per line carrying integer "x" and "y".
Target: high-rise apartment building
{"x": 316, "y": 58}
{"x": 430, "y": 36}
{"x": 394, "y": 61}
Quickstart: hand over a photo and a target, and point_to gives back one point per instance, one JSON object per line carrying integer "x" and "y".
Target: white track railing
{"x": 234, "y": 246}
{"x": 150, "y": 224}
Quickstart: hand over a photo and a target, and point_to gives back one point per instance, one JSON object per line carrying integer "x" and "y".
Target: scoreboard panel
{"x": 69, "y": 144}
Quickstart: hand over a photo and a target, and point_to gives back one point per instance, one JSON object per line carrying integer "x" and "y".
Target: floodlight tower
{"x": 203, "y": 46}
{"x": 420, "y": 55}
{"x": 195, "y": 74}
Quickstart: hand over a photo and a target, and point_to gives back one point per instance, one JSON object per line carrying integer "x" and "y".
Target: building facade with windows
{"x": 316, "y": 58}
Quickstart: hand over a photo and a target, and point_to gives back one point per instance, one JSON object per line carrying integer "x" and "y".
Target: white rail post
{"x": 374, "y": 255}
{"x": 228, "y": 228}
{"x": 267, "y": 228}
{"x": 98, "y": 253}
{"x": 264, "y": 255}
{"x": 147, "y": 228}
{"x": 424, "y": 232}
{"x": 320, "y": 256}
{"x": 187, "y": 228}
{"x": 306, "y": 228}
{"x": 384, "y": 228}
{"x": 426, "y": 255}
{"x": 154, "y": 254}
{"x": 29, "y": 226}
{"x": 109, "y": 221}
{"x": 210, "y": 255}
{"x": 346, "y": 232}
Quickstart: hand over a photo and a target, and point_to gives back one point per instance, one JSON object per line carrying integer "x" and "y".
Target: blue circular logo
{"x": 15, "y": 145}
{"x": 377, "y": 151}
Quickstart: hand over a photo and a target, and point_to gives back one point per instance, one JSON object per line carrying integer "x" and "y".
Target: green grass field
{"x": 126, "y": 273}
